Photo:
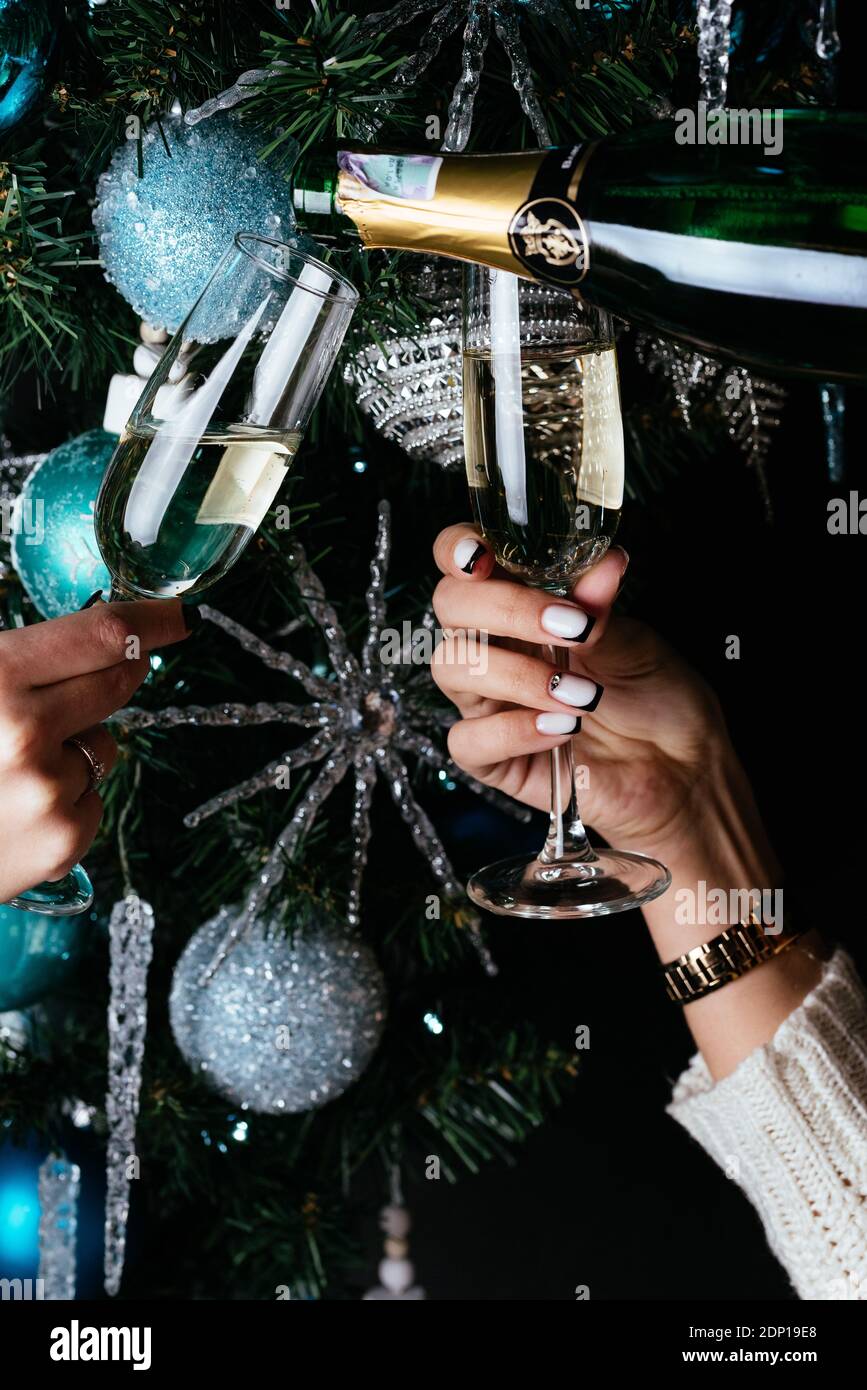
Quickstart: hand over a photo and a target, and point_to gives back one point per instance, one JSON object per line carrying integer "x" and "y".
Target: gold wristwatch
{"x": 724, "y": 959}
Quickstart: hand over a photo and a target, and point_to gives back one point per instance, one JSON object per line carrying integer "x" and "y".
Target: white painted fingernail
{"x": 556, "y": 723}
{"x": 468, "y": 553}
{"x": 562, "y": 620}
{"x": 575, "y": 690}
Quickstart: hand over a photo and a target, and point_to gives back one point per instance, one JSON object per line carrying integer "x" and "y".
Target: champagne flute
{"x": 543, "y": 440}
{"x": 200, "y": 461}
{"x": 212, "y": 437}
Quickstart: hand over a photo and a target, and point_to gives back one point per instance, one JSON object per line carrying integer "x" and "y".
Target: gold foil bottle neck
{"x": 467, "y": 217}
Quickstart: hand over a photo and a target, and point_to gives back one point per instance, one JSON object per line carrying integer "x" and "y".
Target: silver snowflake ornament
{"x": 364, "y": 720}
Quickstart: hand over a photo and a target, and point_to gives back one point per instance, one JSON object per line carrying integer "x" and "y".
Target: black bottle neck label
{"x": 547, "y": 235}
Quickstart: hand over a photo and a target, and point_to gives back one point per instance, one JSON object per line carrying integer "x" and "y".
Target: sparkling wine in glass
{"x": 200, "y": 462}
{"x": 211, "y": 439}
{"x": 543, "y": 441}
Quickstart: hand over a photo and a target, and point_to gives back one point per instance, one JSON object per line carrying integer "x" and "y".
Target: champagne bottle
{"x": 756, "y": 256}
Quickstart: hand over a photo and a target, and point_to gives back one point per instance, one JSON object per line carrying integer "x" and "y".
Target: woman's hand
{"x": 662, "y": 774}
{"x": 652, "y": 735}
{"x": 58, "y": 679}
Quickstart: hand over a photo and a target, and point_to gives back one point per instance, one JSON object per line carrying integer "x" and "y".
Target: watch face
{"x": 548, "y": 237}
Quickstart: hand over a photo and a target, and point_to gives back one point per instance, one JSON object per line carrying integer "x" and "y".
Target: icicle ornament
{"x": 714, "y": 44}
{"x": 130, "y": 932}
{"x": 59, "y": 1187}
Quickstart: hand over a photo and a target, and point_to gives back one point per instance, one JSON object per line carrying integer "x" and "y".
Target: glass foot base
{"x": 612, "y": 881}
{"x": 62, "y": 897}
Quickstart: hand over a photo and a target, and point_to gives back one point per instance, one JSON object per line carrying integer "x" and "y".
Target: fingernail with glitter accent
{"x": 565, "y": 620}
{"x": 468, "y": 553}
{"x": 556, "y": 723}
{"x": 94, "y": 598}
{"x": 577, "y": 691}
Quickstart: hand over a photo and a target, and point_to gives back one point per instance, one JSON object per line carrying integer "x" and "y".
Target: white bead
{"x": 145, "y": 359}
{"x": 396, "y": 1275}
{"x": 395, "y": 1221}
{"x": 152, "y": 335}
{"x": 123, "y": 392}
{"x": 177, "y": 370}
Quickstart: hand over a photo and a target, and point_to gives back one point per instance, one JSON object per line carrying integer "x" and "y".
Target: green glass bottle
{"x": 746, "y": 252}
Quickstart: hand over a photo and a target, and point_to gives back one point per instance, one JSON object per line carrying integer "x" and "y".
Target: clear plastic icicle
{"x": 130, "y": 931}
{"x": 59, "y": 1186}
{"x": 714, "y": 40}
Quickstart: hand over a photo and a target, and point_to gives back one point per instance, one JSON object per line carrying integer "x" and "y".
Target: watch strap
{"x": 723, "y": 959}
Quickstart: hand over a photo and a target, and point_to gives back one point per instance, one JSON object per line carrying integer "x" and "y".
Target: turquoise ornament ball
{"x": 37, "y": 954}
{"x": 28, "y": 35}
{"x": 53, "y": 544}
{"x": 22, "y": 79}
{"x": 160, "y": 236}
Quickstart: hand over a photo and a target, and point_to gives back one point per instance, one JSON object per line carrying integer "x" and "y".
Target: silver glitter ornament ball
{"x": 160, "y": 236}
{"x": 285, "y": 1024}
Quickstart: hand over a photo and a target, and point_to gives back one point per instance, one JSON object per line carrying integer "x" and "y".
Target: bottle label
{"x": 244, "y": 486}
{"x": 412, "y": 177}
{"x": 313, "y": 200}
{"x": 546, "y": 234}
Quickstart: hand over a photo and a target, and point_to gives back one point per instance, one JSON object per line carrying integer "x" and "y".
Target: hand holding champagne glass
{"x": 210, "y": 441}
{"x": 543, "y": 440}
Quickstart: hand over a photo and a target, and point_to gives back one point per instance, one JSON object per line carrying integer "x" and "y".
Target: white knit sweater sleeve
{"x": 790, "y": 1126}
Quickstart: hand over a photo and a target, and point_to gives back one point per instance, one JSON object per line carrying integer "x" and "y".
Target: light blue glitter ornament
{"x": 53, "y": 544}
{"x": 161, "y": 236}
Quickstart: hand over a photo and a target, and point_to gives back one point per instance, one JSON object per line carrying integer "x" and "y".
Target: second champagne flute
{"x": 213, "y": 436}
{"x": 543, "y": 439}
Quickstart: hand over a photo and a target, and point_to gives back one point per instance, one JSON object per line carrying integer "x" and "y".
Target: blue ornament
{"x": 53, "y": 544}
{"x": 161, "y": 236}
{"x": 22, "y": 1253}
{"x": 24, "y": 60}
{"x": 22, "y": 80}
{"x": 19, "y": 1208}
{"x": 37, "y": 954}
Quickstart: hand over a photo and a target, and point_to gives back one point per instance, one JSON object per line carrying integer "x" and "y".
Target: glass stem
{"x": 567, "y": 838}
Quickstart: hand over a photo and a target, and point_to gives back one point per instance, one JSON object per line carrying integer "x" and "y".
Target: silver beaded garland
{"x": 285, "y": 1025}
